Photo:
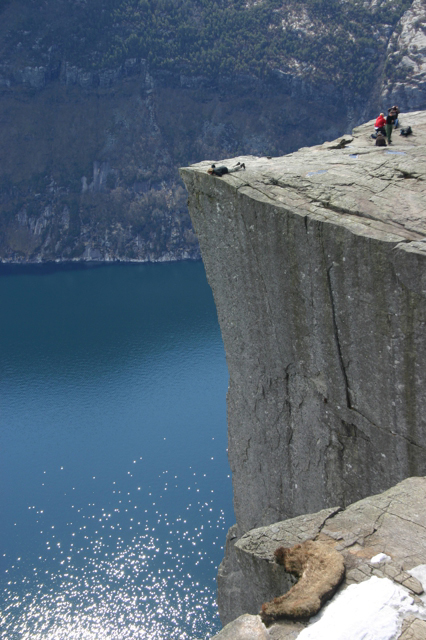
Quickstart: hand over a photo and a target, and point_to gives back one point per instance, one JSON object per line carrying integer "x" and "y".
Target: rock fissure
{"x": 305, "y": 221}
{"x": 336, "y": 337}
{"x": 247, "y": 449}
{"x": 328, "y": 517}
{"x": 411, "y": 441}
{"x": 254, "y": 188}
{"x": 408, "y": 175}
{"x": 410, "y": 520}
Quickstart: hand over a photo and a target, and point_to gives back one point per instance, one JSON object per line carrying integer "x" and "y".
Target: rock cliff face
{"x": 86, "y": 174}
{"x": 317, "y": 264}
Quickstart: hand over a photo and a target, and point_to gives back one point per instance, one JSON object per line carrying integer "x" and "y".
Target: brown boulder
{"x": 320, "y": 570}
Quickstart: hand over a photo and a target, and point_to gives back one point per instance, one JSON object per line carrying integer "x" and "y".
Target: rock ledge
{"x": 383, "y": 536}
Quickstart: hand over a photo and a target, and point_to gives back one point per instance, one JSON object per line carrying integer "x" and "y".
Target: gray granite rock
{"x": 234, "y": 592}
{"x": 246, "y": 627}
{"x": 392, "y": 523}
{"x": 264, "y": 578}
{"x": 317, "y": 265}
{"x": 414, "y": 630}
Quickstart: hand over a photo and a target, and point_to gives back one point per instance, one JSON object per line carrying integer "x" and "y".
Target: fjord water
{"x": 115, "y": 487}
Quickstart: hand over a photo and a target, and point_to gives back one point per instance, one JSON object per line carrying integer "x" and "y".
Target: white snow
{"x": 371, "y": 610}
{"x": 381, "y": 557}
{"x": 419, "y": 572}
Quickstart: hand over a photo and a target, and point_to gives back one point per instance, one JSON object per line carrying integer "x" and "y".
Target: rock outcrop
{"x": 317, "y": 264}
{"x": 382, "y": 540}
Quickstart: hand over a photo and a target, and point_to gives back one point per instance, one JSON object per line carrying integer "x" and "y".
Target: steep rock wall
{"x": 404, "y": 83}
{"x": 317, "y": 264}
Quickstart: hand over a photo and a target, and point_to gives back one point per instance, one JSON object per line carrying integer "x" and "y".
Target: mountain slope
{"x": 102, "y": 101}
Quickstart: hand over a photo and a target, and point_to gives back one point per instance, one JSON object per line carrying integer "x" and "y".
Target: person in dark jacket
{"x": 389, "y": 126}
{"x": 221, "y": 171}
{"x": 395, "y": 112}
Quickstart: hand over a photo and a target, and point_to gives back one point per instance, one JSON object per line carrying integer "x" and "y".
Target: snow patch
{"x": 419, "y": 572}
{"x": 381, "y": 557}
{"x": 371, "y": 610}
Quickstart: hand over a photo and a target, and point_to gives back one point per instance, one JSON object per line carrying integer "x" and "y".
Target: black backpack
{"x": 407, "y": 131}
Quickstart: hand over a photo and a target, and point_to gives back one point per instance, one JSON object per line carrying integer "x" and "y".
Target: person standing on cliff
{"x": 390, "y": 119}
{"x": 395, "y": 112}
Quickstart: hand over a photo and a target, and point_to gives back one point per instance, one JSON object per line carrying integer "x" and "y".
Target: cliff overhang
{"x": 317, "y": 265}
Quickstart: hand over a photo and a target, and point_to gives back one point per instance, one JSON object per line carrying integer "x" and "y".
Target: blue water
{"x": 115, "y": 486}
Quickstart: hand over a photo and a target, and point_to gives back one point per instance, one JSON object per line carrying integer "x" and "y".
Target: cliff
{"x": 405, "y": 60}
{"x": 317, "y": 264}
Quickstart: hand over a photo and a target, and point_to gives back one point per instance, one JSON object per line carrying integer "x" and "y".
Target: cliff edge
{"x": 317, "y": 264}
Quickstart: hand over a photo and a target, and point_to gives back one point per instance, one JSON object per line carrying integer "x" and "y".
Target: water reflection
{"x": 123, "y": 569}
{"x": 117, "y": 491}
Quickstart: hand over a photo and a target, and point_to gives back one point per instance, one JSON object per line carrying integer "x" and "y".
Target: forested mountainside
{"x": 102, "y": 100}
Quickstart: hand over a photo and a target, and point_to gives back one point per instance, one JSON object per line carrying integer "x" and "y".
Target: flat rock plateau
{"x": 317, "y": 264}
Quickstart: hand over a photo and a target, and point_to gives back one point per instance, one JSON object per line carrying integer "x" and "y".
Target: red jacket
{"x": 380, "y": 122}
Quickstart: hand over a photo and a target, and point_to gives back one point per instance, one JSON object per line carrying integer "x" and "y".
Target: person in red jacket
{"x": 380, "y": 123}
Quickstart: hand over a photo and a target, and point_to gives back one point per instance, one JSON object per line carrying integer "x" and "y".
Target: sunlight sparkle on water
{"x": 113, "y": 453}
{"x": 124, "y": 570}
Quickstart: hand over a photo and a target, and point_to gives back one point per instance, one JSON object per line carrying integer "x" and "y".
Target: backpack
{"x": 407, "y": 131}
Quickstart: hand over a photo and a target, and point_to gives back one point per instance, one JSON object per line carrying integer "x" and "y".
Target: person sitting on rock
{"x": 380, "y": 123}
{"x": 380, "y": 140}
{"x": 221, "y": 171}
